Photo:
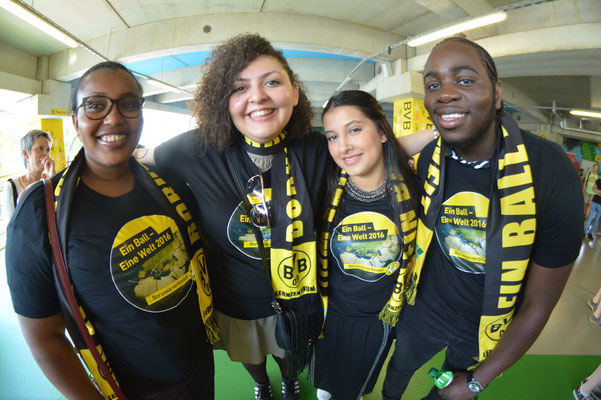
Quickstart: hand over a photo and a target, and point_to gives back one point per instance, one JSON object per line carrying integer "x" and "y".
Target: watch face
{"x": 474, "y": 387}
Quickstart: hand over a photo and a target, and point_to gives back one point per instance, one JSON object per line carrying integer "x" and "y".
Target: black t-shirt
{"x": 596, "y": 197}
{"x": 128, "y": 268}
{"x": 363, "y": 258}
{"x": 452, "y": 282}
{"x": 240, "y": 285}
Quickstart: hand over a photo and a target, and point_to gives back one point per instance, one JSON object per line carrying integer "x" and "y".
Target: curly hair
{"x": 211, "y": 101}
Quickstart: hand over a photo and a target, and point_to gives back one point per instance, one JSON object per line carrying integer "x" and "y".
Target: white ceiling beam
{"x": 185, "y": 34}
{"x": 555, "y": 39}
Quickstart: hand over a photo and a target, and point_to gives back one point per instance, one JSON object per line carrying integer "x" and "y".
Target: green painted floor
{"x": 537, "y": 376}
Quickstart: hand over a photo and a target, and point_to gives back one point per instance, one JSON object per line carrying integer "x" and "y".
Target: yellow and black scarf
{"x": 509, "y": 234}
{"x": 407, "y": 222}
{"x": 292, "y": 255}
{"x": 172, "y": 204}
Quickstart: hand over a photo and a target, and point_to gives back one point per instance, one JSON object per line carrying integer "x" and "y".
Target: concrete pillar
{"x": 596, "y": 92}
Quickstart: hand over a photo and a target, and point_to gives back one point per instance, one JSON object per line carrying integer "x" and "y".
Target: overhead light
{"x": 583, "y": 113}
{"x": 461, "y": 27}
{"x": 37, "y": 22}
{"x": 164, "y": 85}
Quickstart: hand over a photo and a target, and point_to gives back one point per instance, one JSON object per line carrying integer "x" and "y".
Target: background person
{"x": 590, "y": 386}
{"x": 119, "y": 265}
{"x": 35, "y": 150}
{"x": 367, "y": 246}
{"x": 493, "y": 258}
{"x": 587, "y": 188}
{"x": 594, "y": 215}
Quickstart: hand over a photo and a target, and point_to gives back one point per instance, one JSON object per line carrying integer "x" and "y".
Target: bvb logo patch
{"x": 496, "y": 329}
{"x": 294, "y": 269}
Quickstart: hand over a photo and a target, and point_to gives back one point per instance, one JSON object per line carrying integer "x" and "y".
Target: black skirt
{"x": 348, "y": 360}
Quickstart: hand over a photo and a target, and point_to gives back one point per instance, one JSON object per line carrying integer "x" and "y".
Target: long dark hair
{"x": 211, "y": 101}
{"x": 396, "y": 160}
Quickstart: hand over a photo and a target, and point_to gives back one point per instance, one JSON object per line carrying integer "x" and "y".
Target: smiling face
{"x": 262, "y": 99}
{"x": 355, "y": 144}
{"x": 461, "y": 100}
{"x": 40, "y": 150}
{"x": 107, "y": 142}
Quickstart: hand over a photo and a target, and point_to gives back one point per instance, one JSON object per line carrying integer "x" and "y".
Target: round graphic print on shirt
{"x": 240, "y": 231}
{"x": 366, "y": 246}
{"x": 461, "y": 231}
{"x": 149, "y": 264}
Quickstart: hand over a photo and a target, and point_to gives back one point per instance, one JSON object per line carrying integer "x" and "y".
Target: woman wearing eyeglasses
{"x": 367, "y": 241}
{"x": 132, "y": 254}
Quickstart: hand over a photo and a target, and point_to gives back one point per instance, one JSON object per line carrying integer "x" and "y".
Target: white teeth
{"x": 112, "y": 138}
{"x": 260, "y": 113}
{"x": 447, "y": 117}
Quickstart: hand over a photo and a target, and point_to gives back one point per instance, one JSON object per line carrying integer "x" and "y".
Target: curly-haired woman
{"x": 254, "y": 120}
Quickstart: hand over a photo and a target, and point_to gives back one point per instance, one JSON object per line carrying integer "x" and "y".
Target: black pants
{"x": 420, "y": 337}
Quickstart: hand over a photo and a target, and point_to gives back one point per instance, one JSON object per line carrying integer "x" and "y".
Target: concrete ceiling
{"x": 547, "y": 52}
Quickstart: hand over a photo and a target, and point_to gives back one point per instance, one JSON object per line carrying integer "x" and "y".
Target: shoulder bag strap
{"x": 15, "y": 195}
{"x": 61, "y": 269}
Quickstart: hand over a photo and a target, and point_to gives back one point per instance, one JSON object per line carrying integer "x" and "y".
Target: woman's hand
{"x": 49, "y": 169}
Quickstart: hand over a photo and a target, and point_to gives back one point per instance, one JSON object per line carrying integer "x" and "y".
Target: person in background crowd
{"x": 590, "y": 386}
{"x": 594, "y": 215}
{"x": 587, "y": 188}
{"x": 35, "y": 150}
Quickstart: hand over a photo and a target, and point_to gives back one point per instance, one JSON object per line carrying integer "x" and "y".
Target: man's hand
{"x": 457, "y": 390}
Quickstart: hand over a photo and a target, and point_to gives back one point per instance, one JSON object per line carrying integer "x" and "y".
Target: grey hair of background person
{"x": 28, "y": 140}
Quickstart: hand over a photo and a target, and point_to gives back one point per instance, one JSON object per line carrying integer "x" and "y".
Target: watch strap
{"x": 471, "y": 381}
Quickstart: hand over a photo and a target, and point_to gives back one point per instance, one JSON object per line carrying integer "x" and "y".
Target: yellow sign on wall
{"x": 597, "y": 157}
{"x": 410, "y": 116}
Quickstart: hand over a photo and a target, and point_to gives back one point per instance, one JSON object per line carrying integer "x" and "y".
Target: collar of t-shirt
{"x": 474, "y": 164}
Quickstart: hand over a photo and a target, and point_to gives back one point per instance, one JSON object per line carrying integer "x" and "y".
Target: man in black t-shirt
{"x": 499, "y": 231}
{"x": 594, "y": 214}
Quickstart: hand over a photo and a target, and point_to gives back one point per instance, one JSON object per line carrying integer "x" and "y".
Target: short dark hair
{"x": 106, "y": 64}
{"x": 211, "y": 101}
{"x": 396, "y": 160}
{"x": 29, "y": 139}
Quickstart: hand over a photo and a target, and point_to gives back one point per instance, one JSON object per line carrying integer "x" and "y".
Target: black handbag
{"x": 296, "y": 331}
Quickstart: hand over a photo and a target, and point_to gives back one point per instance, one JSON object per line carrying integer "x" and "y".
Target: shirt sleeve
{"x": 171, "y": 156}
{"x": 560, "y": 213}
{"x": 28, "y": 259}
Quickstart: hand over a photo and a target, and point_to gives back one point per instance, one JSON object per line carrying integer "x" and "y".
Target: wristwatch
{"x": 473, "y": 384}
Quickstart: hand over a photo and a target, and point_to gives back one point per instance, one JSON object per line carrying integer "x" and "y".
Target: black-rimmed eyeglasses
{"x": 259, "y": 213}
{"x": 98, "y": 107}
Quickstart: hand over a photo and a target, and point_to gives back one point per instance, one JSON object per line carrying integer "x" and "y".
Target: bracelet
{"x": 436, "y": 133}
